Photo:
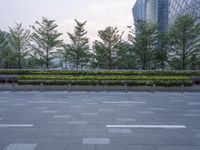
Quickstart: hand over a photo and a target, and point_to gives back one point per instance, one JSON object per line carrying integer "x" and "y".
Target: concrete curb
{"x": 97, "y": 88}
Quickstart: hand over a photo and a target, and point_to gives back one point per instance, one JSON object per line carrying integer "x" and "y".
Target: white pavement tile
{"x": 21, "y": 147}
{"x": 96, "y": 141}
{"x": 50, "y": 111}
{"x": 146, "y": 112}
{"x": 16, "y": 125}
{"x": 123, "y": 102}
{"x": 122, "y": 131}
{"x": 191, "y": 115}
{"x": 148, "y": 126}
{"x": 62, "y": 116}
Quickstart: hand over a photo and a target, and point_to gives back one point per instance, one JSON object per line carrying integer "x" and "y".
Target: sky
{"x": 98, "y": 13}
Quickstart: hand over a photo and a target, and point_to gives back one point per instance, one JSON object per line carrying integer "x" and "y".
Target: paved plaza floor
{"x": 99, "y": 121}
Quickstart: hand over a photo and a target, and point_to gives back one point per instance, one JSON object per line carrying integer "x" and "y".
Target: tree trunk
{"x": 47, "y": 59}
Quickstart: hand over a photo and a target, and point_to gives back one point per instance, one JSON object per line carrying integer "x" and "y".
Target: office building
{"x": 156, "y": 11}
{"x": 183, "y": 7}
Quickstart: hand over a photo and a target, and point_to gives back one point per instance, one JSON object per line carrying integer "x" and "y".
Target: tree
{"x": 145, "y": 44}
{"x": 19, "y": 41}
{"x": 78, "y": 52}
{"x": 184, "y": 44}
{"x": 125, "y": 56}
{"x": 105, "y": 51}
{"x": 7, "y": 58}
{"x": 46, "y": 40}
{"x": 161, "y": 52}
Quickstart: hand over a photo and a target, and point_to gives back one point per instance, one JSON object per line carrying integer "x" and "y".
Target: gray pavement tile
{"x": 51, "y": 146}
{"x": 89, "y": 114}
{"x": 79, "y": 147}
{"x": 106, "y": 110}
{"x": 111, "y": 147}
{"x": 146, "y": 112}
{"x": 191, "y": 115}
{"x": 50, "y": 111}
{"x": 122, "y": 131}
{"x": 96, "y": 141}
{"x": 21, "y": 147}
{"x": 141, "y": 147}
{"x": 77, "y": 122}
{"x": 62, "y": 116}
{"x": 177, "y": 147}
{"x": 125, "y": 119}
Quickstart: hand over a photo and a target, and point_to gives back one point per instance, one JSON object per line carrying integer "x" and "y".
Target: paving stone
{"x": 96, "y": 141}
{"x": 21, "y": 147}
{"x": 50, "y": 111}
{"x": 146, "y": 112}
{"x": 125, "y": 119}
{"x": 123, "y": 131}
{"x": 62, "y": 116}
{"x": 106, "y": 110}
{"x": 77, "y": 122}
{"x": 89, "y": 114}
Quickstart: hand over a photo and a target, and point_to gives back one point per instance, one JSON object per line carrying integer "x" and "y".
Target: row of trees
{"x": 146, "y": 48}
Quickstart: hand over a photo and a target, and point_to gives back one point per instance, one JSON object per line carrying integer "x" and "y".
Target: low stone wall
{"x": 15, "y": 87}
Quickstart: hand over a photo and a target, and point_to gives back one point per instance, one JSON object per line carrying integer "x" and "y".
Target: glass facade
{"x": 181, "y": 7}
{"x": 156, "y": 11}
{"x": 139, "y": 11}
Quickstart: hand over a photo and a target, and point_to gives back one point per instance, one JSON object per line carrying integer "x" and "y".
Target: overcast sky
{"x": 98, "y": 13}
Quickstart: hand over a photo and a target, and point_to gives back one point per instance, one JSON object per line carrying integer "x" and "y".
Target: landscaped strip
{"x": 96, "y": 72}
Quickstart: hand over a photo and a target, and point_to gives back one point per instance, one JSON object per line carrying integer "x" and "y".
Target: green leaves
{"x": 184, "y": 41}
{"x": 105, "y": 51}
{"x": 45, "y": 40}
{"x": 77, "y": 54}
{"x": 19, "y": 41}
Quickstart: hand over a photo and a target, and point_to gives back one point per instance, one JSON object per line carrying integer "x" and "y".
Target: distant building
{"x": 182, "y": 7}
{"x": 139, "y": 11}
{"x": 156, "y": 11}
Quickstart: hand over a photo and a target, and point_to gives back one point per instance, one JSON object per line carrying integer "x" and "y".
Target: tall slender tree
{"x": 19, "y": 41}
{"x": 105, "y": 51}
{"x": 184, "y": 37}
{"x": 46, "y": 40}
{"x": 145, "y": 44}
{"x": 7, "y": 57}
{"x": 78, "y": 52}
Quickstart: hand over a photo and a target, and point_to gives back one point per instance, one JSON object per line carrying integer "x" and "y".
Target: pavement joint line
{"x": 15, "y": 125}
{"x": 148, "y": 126}
{"x": 123, "y": 102}
{"x": 46, "y": 102}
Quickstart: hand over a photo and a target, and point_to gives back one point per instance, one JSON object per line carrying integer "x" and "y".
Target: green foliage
{"x": 46, "y": 41}
{"x": 105, "y": 51}
{"x": 125, "y": 56}
{"x": 100, "y": 73}
{"x": 184, "y": 41}
{"x": 108, "y": 83}
{"x": 19, "y": 42}
{"x": 7, "y": 57}
{"x": 78, "y": 52}
{"x": 145, "y": 44}
{"x": 100, "y": 78}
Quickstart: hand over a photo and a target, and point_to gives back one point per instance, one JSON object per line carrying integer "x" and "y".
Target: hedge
{"x": 96, "y": 72}
{"x": 165, "y": 83}
{"x": 100, "y": 78}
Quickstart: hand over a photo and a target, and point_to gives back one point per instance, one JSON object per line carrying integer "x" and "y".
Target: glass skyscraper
{"x": 181, "y": 7}
{"x": 156, "y": 11}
